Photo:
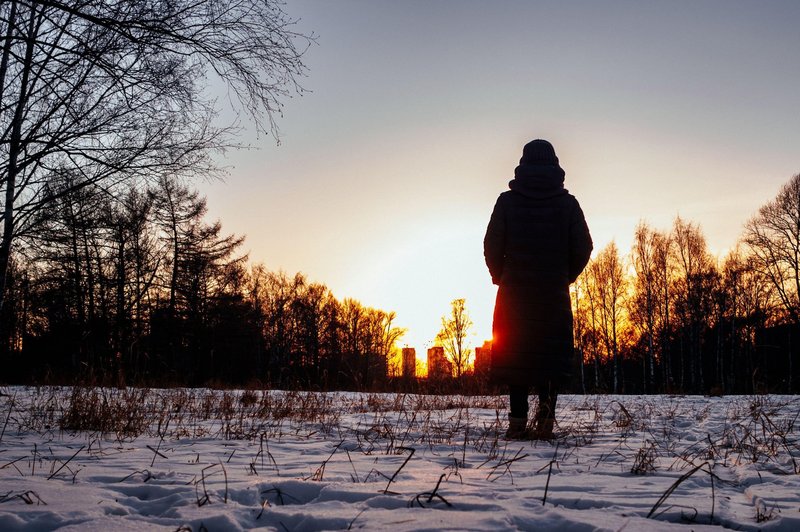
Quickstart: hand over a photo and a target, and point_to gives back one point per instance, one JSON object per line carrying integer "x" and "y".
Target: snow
{"x": 273, "y": 460}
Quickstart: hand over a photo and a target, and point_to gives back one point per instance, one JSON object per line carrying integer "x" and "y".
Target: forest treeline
{"x": 144, "y": 290}
{"x": 670, "y": 317}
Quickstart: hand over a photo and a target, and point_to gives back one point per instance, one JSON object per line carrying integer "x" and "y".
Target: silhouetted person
{"x": 537, "y": 243}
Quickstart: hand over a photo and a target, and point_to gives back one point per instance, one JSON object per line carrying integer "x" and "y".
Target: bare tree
{"x": 109, "y": 91}
{"x": 643, "y": 300}
{"x": 663, "y": 268}
{"x": 650, "y": 303}
{"x": 134, "y": 254}
{"x": 695, "y": 276}
{"x": 587, "y": 318}
{"x": 368, "y": 338}
{"x": 177, "y": 210}
{"x": 609, "y": 285}
{"x": 388, "y": 336}
{"x": 308, "y": 309}
{"x": 276, "y": 298}
{"x": 773, "y": 236}
{"x": 453, "y": 335}
{"x": 581, "y": 325}
{"x": 746, "y": 300}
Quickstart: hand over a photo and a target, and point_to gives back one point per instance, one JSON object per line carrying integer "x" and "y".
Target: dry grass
{"x": 644, "y": 437}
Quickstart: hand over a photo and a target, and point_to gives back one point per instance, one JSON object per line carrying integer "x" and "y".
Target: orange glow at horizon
{"x": 422, "y": 365}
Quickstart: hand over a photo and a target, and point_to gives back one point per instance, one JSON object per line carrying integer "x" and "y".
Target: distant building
{"x": 483, "y": 358}
{"x": 409, "y": 362}
{"x": 438, "y": 364}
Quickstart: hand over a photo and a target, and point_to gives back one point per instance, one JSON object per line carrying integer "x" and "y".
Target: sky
{"x": 416, "y": 113}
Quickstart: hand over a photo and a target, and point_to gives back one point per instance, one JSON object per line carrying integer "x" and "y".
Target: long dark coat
{"x": 536, "y": 244}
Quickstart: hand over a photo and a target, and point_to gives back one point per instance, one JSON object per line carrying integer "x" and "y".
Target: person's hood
{"x": 538, "y": 181}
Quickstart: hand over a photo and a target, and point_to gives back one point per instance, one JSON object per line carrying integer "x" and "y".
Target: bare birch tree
{"x": 453, "y": 335}
{"x": 649, "y": 304}
{"x": 609, "y": 284}
{"x": 695, "y": 271}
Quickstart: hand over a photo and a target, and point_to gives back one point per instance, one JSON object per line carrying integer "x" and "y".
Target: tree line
{"x": 144, "y": 289}
{"x": 670, "y": 317}
{"x": 141, "y": 288}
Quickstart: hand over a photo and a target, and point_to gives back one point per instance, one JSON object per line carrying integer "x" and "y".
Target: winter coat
{"x": 536, "y": 244}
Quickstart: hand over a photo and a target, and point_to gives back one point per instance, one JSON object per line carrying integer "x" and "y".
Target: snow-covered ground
{"x": 110, "y": 459}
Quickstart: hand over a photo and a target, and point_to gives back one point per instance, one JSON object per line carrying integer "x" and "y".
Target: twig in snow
{"x": 713, "y": 495}
{"x": 10, "y": 408}
{"x": 206, "y": 499}
{"x": 386, "y": 490}
{"x": 145, "y": 472}
{"x": 350, "y": 526}
{"x": 279, "y": 494}
{"x": 201, "y": 501}
{"x": 674, "y": 486}
{"x": 549, "y": 473}
{"x": 33, "y": 459}
{"x": 320, "y": 472}
{"x": 430, "y": 495}
{"x": 260, "y": 455}
{"x": 464, "y": 448}
{"x": 354, "y": 469}
{"x": 547, "y": 483}
{"x": 12, "y": 463}
{"x": 26, "y": 496}
{"x": 159, "y": 453}
{"x": 65, "y": 463}
{"x": 160, "y": 440}
{"x": 506, "y": 463}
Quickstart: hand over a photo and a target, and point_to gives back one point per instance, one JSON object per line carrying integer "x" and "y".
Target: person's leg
{"x": 518, "y": 412}
{"x": 546, "y": 412}
{"x": 518, "y": 397}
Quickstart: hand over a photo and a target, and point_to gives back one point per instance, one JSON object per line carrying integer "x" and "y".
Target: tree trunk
{"x": 15, "y": 143}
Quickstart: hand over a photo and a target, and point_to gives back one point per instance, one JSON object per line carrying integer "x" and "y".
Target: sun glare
{"x": 418, "y": 276}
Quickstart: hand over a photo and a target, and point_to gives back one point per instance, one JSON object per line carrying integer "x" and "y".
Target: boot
{"x": 517, "y": 428}
{"x": 544, "y": 429}
{"x": 545, "y": 418}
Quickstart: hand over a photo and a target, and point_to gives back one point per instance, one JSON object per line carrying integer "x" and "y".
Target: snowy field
{"x": 191, "y": 460}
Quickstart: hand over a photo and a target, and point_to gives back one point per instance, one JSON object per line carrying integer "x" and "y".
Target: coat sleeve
{"x": 580, "y": 243}
{"x": 494, "y": 242}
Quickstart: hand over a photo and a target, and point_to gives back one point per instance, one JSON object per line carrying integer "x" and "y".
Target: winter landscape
{"x": 202, "y": 459}
{"x": 167, "y": 165}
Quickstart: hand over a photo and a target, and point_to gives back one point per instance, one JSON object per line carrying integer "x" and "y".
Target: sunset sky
{"x": 388, "y": 169}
